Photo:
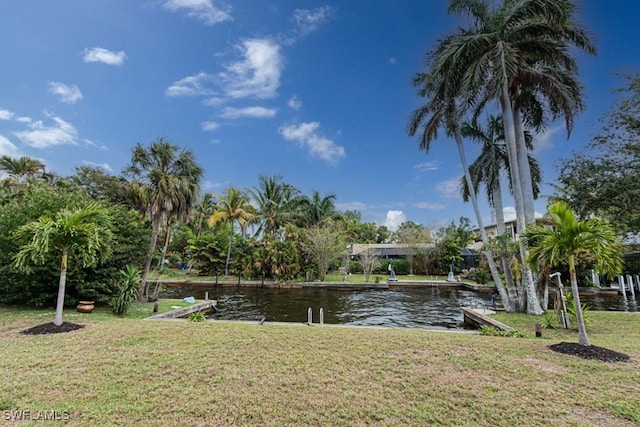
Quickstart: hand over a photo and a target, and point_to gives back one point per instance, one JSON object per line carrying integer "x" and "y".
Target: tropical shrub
{"x": 127, "y": 291}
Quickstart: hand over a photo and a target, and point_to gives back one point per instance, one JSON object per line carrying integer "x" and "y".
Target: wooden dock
{"x": 476, "y": 317}
{"x": 179, "y": 313}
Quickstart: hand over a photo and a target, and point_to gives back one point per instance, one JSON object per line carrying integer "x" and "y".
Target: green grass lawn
{"x": 131, "y": 371}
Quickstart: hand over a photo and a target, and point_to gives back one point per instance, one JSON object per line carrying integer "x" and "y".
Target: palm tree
{"x": 276, "y": 203}
{"x": 565, "y": 239}
{"x": 440, "y": 86}
{"x": 521, "y": 48}
{"x": 166, "y": 183}
{"x": 487, "y": 169}
{"x": 23, "y": 170}
{"x": 203, "y": 210}
{"x": 83, "y": 233}
{"x": 233, "y": 207}
{"x": 317, "y": 209}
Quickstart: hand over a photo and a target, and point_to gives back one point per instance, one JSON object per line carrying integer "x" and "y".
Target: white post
{"x": 206, "y": 296}
{"x": 630, "y": 281}
{"x": 622, "y": 287}
{"x": 321, "y": 316}
{"x": 638, "y": 282}
{"x": 309, "y": 316}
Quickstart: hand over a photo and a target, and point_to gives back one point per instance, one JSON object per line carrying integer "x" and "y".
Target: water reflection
{"x": 412, "y": 308}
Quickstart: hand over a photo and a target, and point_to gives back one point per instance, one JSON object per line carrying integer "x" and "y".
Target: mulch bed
{"x": 589, "y": 352}
{"x": 51, "y": 328}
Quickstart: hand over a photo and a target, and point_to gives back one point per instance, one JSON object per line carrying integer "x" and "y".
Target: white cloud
{"x": 42, "y": 136}
{"x": 449, "y": 188}
{"x": 307, "y": 21}
{"x": 427, "y": 166}
{"x": 294, "y": 103}
{"x": 257, "y": 74}
{"x": 430, "y": 206}
{"x": 69, "y": 94}
{"x": 191, "y": 86}
{"x": 99, "y": 54}
{"x": 90, "y": 143}
{"x": 7, "y": 148}
{"x": 394, "y": 219}
{"x": 23, "y": 119}
{"x": 255, "y": 112}
{"x": 210, "y": 185}
{"x": 6, "y": 115}
{"x": 544, "y": 140}
{"x": 209, "y": 126}
{"x": 319, "y": 146}
{"x": 201, "y": 10}
{"x": 104, "y": 166}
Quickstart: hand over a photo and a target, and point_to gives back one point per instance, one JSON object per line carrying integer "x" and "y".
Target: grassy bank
{"x": 132, "y": 371}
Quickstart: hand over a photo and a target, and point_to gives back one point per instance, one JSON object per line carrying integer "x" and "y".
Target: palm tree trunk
{"x": 533, "y": 303}
{"x": 582, "y": 329}
{"x": 57, "y": 320}
{"x": 165, "y": 247}
{"x": 155, "y": 227}
{"x": 524, "y": 168}
{"x": 506, "y": 301}
{"x": 500, "y": 226}
{"x": 226, "y": 264}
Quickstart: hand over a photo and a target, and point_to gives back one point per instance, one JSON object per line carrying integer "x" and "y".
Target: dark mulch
{"x": 50, "y": 328}
{"x": 589, "y": 352}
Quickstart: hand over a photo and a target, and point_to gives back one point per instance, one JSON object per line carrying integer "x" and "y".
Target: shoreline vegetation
{"x": 127, "y": 370}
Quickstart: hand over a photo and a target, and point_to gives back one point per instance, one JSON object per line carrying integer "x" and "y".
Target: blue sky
{"x": 318, "y": 92}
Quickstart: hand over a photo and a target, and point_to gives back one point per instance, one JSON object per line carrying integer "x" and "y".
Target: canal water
{"x": 431, "y": 308}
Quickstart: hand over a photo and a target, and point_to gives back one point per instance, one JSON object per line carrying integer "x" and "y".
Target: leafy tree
{"x": 83, "y": 233}
{"x": 323, "y": 243}
{"x": 567, "y": 238}
{"x": 166, "y": 182}
{"x": 99, "y": 185}
{"x": 412, "y": 235}
{"x": 605, "y": 180}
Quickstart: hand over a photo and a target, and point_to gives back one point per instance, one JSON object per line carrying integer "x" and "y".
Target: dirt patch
{"x": 545, "y": 365}
{"x": 50, "y": 328}
{"x": 589, "y": 352}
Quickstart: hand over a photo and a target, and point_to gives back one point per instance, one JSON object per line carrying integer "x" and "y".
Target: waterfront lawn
{"x": 130, "y": 371}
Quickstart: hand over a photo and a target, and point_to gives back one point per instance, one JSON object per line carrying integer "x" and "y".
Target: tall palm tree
{"x": 166, "y": 182}
{"x": 276, "y": 203}
{"x": 568, "y": 237}
{"x": 487, "y": 169}
{"x": 441, "y": 111}
{"x": 233, "y": 207}
{"x": 82, "y": 233}
{"x": 504, "y": 54}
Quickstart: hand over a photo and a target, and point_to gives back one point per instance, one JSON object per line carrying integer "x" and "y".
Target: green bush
{"x": 198, "y": 316}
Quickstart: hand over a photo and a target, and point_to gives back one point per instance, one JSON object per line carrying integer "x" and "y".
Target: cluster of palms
{"x": 517, "y": 56}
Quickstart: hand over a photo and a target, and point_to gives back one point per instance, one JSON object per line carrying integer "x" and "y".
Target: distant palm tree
{"x": 276, "y": 203}
{"x": 317, "y": 209}
{"x": 233, "y": 207}
{"x": 565, "y": 239}
{"x": 23, "y": 170}
{"x": 82, "y": 233}
{"x": 165, "y": 183}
